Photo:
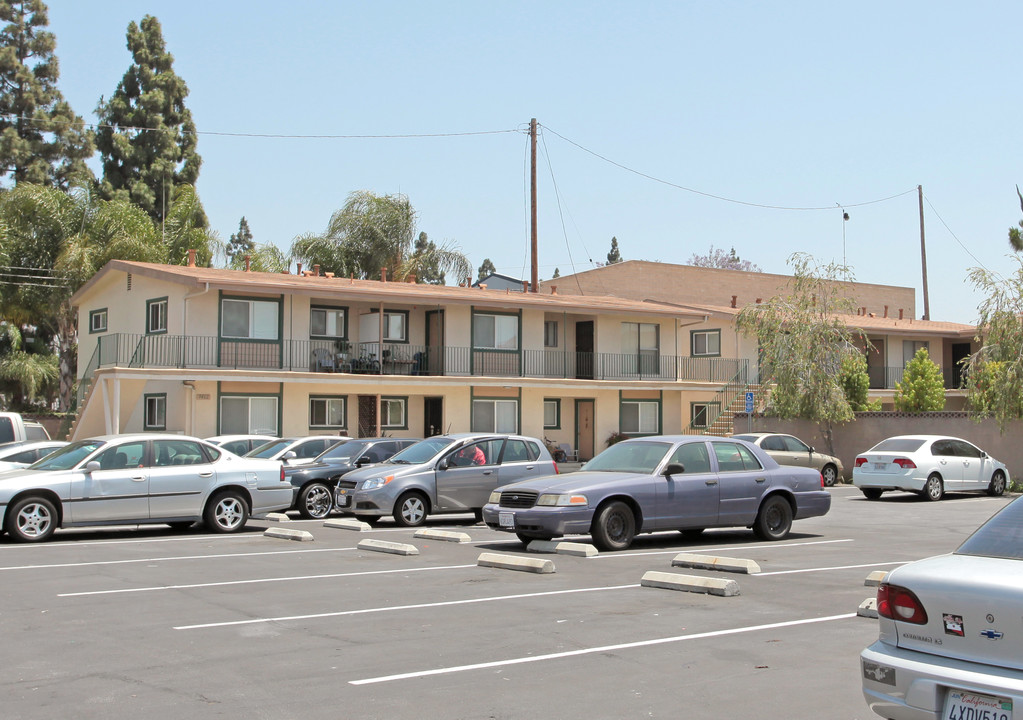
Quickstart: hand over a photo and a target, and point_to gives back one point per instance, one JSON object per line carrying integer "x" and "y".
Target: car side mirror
{"x": 674, "y": 469}
{"x": 812, "y": 451}
{"x": 443, "y": 464}
{"x": 290, "y": 455}
{"x": 92, "y": 466}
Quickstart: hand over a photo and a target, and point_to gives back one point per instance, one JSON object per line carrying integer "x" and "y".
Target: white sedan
{"x": 929, "y": 465}
{"x": 949, "y": 646}
{"x": 135, "y": 479}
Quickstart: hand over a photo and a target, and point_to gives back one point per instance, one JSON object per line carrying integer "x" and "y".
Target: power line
{"x": 719, "y": 197}
{"x": 954, "y": 237}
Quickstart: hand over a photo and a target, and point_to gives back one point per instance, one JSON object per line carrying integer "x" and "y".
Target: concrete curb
{"x": 348, "y": 524}
{"x": 562, "y": 548}
{"x": 713, "y": 562}
{"x": 388, "y": 547}
{"x": 288, "y": 534}
{"x": 514, "y": 562}
{"x": 690, "y": 583}
{"x": 443, "y": 536}
{"x": 875, "y": 578}
{"x": 276, "y": 517}
{"x": 868, "y": 608}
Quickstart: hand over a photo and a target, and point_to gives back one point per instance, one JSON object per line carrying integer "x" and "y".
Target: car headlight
{"x": 495, "y": 498}
{"x": 561, "y": 500}
{"x": 376, "y": 483}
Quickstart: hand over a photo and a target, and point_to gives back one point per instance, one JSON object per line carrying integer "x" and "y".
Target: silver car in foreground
{"x": 135, "y": 479}
{"x": 950, "y": 631}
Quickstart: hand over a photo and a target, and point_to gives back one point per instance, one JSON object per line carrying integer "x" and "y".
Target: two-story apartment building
{"x": 209, "y": 351}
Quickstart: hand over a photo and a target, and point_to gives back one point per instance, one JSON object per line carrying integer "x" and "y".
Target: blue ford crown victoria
{"x": 686, "y": 483}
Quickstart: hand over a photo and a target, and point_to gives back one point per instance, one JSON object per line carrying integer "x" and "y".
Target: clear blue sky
{"x": 794, "y": 104}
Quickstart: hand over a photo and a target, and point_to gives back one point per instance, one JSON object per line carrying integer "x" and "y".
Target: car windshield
{"x": 421, "y": 452}
{"x": 345, "y": 450}
{"x": 633, "y": 456}
{"x": 68, "y": 456}
{"x": 999, "y": 537}
{"x": 269, "y": 449}
{"x": 898, "y": 445}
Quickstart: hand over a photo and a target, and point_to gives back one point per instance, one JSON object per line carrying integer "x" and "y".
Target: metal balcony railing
{"x": 885, "y": 378}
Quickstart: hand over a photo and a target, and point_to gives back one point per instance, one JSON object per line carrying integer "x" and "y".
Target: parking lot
{"x": 151, "y": 623}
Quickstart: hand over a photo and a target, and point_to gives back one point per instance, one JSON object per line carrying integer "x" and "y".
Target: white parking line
{"x": 393, "y": 608}
{"x": 825, "y": 569}
{"x": 166, "y": 559}
{"x": 260, "y": 580}
{"x": 601, "y": 649}
{"x": 758, "y": 546}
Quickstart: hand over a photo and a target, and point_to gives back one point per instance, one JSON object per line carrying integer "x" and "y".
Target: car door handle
{"x": 208, "y": 473}
{"x": 139, "y": 478}
{"x": 712, "y": 482}
{"x": 762, "y": 480}
{"x": 488, "y": 472}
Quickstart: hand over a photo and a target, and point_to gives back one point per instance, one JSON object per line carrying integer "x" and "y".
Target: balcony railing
{"x": 885, "y": 378}
{"x": 183, "y": 351}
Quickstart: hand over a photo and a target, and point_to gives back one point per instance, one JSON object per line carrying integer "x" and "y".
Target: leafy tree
{"x": 241, "y": 242}
{"x": 147, "y": 139}
{"x": 41, "y": 139}
{"x": 718, "y": 258}
{"x": 1015, "y": 236}
{"x": 855, "y": 381}
{"x": 26, "y": 370}
{"x": 263, "y": 258}
{"x": 613, "y": 256}
{"x": 427, "y": 262}
{"x": 803, "y": 342}
{"x": 994, "y": 374}
{"x": 487, "y": 268}
{"x": 372, "y": 232}
{"x": 922, "y": 388}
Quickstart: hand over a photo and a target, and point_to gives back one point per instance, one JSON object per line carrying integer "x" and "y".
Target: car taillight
{"x": 904, "y": 463}
{"x": 861, "y": 461}
{"x": 822, "y": 480}
{"x": 556, "y": 471}
{"x": 282, "y": 473}
{"x": 898, "y": 603}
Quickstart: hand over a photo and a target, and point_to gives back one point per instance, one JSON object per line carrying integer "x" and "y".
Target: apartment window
{"x": 551, "y": 414}
{"x": 155, "y": 412}
{"x": 705, "y": 343}
{"x": 392, "y": 413}
{"x": 249, "y": 319}
{"x": 495, "y": 332}
{"x": 328, "y": 322}
{"x": 248, "y": 415}
{"x": 98, "y": 321}
{"x": 156, "y": 316}
{"x": 640, "y": 417}
{"x": 703, "y": 414}
{"x": 909, "y": 348}
{"x": 550, "y": 333}
{"x": 495, "y": 416}
{"x": 641, "y": 347}
{"x": 328, "y": 412}
{"x": 396, "y": 326}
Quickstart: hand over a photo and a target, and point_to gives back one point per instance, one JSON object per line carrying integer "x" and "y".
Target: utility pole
{"x": 534, "y": 271}
{"x": 923, "y": 252}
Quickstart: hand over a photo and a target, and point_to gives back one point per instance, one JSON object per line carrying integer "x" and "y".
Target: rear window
{"x": 898, "y": 445}
{"x": 999, "y": 537}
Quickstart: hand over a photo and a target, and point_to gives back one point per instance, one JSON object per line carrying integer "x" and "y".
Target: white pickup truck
{"x": 14, "y": 428}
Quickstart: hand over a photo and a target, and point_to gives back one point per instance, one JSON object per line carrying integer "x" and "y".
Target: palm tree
{"x": 372, "y": 232}
{"x": 24, "y": 374}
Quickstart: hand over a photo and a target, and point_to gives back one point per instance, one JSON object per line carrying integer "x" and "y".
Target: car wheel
{"x": 614, "y": 526}
{"x": 830, "y": 475}
{"x": 227, "y": 512}
{"x": 691, "y": 533}
{"x": 997, "y": 486}
{"x": 477, "y": 515}
{"x": 410, "y": 510}
{"x": 872, "y": 493}
{"x": 315, "y": 501}
{"x": 32, "y": 519}
{"x": 774, "y": 519}
{"x": 934, "y": 488}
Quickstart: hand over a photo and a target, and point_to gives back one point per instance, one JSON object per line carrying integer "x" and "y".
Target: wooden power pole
{"x": 923, "y": 252}
{"x": 534, "y": 268}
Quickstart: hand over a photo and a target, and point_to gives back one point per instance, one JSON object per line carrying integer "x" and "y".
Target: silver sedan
{"x": 949, "y": 643}
{"x": 134, "y": 479}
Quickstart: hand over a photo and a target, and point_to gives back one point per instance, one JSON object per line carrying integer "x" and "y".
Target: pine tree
{"x": 146, "y": 166}
{"x": 41, "y": 140}
{"x": 241, "y": 242}
{"x": 486, "y": 268}
{"x": 613, "y": 255}
{"x": 556, "y": 275}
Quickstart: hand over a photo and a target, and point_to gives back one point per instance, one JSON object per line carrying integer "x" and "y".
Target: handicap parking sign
{"x": 749, "y": 401}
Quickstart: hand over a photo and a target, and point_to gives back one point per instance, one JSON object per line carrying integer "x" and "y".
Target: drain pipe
{"x": 190, "y": 384}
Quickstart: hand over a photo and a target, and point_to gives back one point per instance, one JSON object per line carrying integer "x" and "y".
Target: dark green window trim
{"x": 93, "y": 315}
{"x": 404, "y": 404}
{"x": 344, "y": 412}
{"x": 280, "y": 405}
{"x": 692, "y": 342}
{"x": 162, "y": 399}
{"x": 389, "y": 311}
{"x": 344, "y": 330}
{"x": 660, "y": 414}
{"x": 473, "y": 397}
{"x": 711, "y": 411}
{"x": 557, "y": 414}
{"x": 250, "y": 298}
{"x": 166, "y": 315}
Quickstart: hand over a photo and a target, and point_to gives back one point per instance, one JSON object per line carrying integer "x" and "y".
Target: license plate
{"x": 506, "y": 519}
{"x": 880, "y": 466}
{"x": 961, "y": 705}
{"x": 344, "y": 501}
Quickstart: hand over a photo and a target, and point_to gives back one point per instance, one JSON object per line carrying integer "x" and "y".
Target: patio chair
{"x": 570, "y": 454}
{"x": 323, "y": 360}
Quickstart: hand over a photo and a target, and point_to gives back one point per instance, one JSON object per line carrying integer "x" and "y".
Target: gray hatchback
{"x": 443, "y": 474}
